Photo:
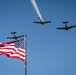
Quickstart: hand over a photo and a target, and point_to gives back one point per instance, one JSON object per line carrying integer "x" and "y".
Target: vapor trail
{"x": 37, "y": 10}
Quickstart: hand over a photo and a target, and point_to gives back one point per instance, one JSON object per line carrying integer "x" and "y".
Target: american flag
{"x": 13, "y": 49}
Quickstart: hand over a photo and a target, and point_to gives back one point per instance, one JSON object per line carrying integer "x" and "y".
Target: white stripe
{"x": 12, "y": 55}
{"x": 21, "y": 53}
{"x": 6, "y": 50}
{"x": 9, "y": 47}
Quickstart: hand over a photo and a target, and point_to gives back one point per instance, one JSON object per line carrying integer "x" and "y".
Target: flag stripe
{"x": 13, "y": 49}
{"x": 15, "y": 56}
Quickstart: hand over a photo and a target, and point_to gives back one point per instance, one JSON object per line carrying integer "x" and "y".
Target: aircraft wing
{"x": 42, "y": 22}
{"x": 19, "y": 36}
{"x": 15, "y": 37}
{"x": 72, "y": 26}
{"x": 63, "y": 28}
{"x": 37, "y": 22}
{"x": 10, "y": 37}
{"x": 47, "y": 21}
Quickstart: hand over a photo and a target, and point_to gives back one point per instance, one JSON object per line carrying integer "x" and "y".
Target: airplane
{"x": 66, "y": 27}
{"x": 42, "y": 22}
{"x": 15, "y": 37}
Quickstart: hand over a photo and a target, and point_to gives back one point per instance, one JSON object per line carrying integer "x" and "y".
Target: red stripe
{"x": 9, "y": 49}
{"x": 15, "y": 56}
{"x": 12, "y": 48}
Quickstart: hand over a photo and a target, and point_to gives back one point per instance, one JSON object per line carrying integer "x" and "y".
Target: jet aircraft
{"x": 66, "y": 27}
{"x": 41, "y": 22}
{"x": 14, "y": 36}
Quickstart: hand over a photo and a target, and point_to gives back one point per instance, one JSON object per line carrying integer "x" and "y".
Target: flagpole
{"x": 25, "y": 47}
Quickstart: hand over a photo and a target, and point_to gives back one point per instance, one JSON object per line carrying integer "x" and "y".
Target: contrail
{"x": 37, "y": 10}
